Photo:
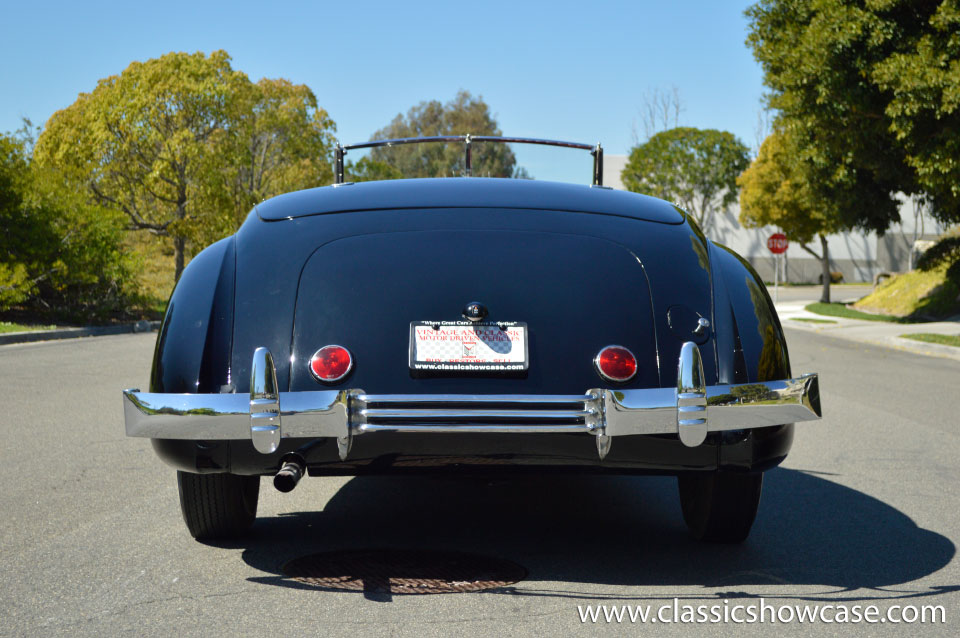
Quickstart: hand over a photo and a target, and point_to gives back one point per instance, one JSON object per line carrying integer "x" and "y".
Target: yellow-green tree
{"x": 184, "y": 144}
{"x": 281, "y": 142}
{"x": 775, "y": 191}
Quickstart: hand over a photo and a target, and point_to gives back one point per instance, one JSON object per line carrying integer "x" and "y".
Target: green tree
{"x": 696, "y": 169}
{"x": 59, "y": 255}
{"x": 776, "y": 192}
{"x": 368, "y": 170}
{"x": 464, "y": 114}
{"x": 922, "y": 82}
{"x": 751, "y": 392}
{"x": 871, "y": 92}
{"x": 184, "y": 144}
{"x": 15, "y": 280}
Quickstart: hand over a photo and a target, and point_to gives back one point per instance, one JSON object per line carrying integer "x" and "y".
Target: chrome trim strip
{"x": 523, "y": 415}
{"x": 476, "y": 398}
{"x": 475, "y": 428}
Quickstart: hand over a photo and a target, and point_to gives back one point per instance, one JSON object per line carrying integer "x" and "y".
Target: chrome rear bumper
{"x": 265, "y": 416}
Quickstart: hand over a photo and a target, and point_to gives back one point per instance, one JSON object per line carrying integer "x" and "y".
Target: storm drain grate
{"x": 404, "y": 571}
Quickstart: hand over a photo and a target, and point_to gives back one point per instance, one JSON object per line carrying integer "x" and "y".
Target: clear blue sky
{"x": 576, "y": 71}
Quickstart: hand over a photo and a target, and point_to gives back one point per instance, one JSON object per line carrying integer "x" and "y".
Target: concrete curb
{"x": 886, "y": 341}
{"x": 921, "y": 347}
{"x": 73, "y": 333}
{"x": 874, "y": 332}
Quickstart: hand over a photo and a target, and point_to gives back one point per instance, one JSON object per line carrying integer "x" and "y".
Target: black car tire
{"x": 217, "y": 505}
{"x": 720, "y": 507}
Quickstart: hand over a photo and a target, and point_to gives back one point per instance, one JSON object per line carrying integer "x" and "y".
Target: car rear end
{"x": 560, "y": 275}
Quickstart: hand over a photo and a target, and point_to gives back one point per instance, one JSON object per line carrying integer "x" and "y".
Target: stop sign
{"x": 777, "y": 243}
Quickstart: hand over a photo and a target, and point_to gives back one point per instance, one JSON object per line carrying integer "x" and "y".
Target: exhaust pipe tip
{"x": 289, "y": 476}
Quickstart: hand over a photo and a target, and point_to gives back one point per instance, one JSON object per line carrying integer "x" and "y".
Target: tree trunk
{"x": 179, "y": 246}
{"x": 825, "y": 264}
{"x": 179, "y": 242}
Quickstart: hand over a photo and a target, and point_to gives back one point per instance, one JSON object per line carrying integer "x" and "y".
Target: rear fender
{"x": 750, "y": 342}
{"x": 750, "y": 348}
{"x": 200, "y": 320}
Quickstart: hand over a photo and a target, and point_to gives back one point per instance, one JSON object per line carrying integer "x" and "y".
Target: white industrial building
{"x": 860, "y": 257}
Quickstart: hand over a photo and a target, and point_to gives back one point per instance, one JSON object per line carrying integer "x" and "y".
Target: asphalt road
{"x": 865, "y": 510}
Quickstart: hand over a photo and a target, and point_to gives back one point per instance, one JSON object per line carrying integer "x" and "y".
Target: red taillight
{"x": 331, "y": 363}
{"x": 616, "y": 363}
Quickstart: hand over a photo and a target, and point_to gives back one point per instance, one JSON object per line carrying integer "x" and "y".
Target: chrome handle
{"x": 702, "y": 326}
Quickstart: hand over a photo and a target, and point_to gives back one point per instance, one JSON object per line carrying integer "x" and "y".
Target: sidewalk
{"x": 876, "y": 332}
{"x": 73, "y": 333}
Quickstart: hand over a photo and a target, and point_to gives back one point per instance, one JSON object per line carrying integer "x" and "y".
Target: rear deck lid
{"x": 575, "y": 295}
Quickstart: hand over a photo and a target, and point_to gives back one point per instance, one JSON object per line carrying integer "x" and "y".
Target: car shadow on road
{"x": 623, "y": 531}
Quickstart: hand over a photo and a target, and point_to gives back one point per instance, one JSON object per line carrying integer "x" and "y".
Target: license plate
{"x": 465, "y": 346}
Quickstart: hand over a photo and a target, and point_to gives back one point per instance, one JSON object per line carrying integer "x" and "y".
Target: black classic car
{"x": 470, "y": 325}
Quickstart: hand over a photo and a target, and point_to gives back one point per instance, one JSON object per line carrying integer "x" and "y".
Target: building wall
{"x": 613, "y": 165}
{"x": 859, "y": 256}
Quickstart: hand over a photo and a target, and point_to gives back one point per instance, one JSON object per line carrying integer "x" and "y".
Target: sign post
{"x": 777, "y": 243}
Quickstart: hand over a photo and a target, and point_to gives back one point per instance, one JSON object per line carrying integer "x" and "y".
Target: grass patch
{"x": 930, "y": 337}
{"x": 841, "y": 310}
{"x": 9, "y": 326}
{"x": 917, "y": 294}
{"x": 812, "y": 320}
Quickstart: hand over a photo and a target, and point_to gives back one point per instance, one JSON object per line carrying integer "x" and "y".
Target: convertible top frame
{"x": 596, "y": 150}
